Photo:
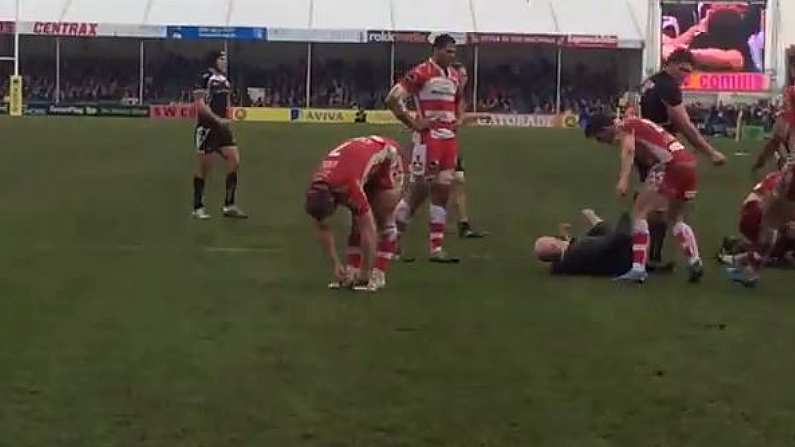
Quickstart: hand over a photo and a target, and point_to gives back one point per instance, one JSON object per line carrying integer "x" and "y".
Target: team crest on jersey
{"x": 447, "y": 88}
{"x": 397, "y": 177}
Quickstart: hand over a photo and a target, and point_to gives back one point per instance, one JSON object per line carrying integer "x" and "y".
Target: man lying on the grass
{"x": 601, "y": 251}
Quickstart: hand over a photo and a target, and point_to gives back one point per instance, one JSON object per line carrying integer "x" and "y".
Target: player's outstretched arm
{"x": 627, "y": 141}
{"x": 396, "y": 103}
{"x": 719, "y": 59}
{"x": 365, "y": 222}
{"x": 686, "y": 38}
{"x": 683, "y": 124}
{"x": 462, "y": 118}
{"x": 367, "y": 234}
{"x": 767, "y": 151}
{"x": 326, "y": 238}
{"x": 781, "y": 132}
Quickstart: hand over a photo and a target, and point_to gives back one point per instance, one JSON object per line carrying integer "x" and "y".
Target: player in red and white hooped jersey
{"x": 780, "y": 144}
{"x": 781, "y": 206}
{"x": 782, "y": 140}
{"x": 788, "y": 105}
{"x": 767, "y": 210}
{"x": 759, "y": 246}
{"x": 754, "y": 204}
{"x": 436, "y": 88}
{"x": 365, "y": 175}
{"x": 671, "y": 183}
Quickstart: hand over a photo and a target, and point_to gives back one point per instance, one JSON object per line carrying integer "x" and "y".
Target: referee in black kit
{"x": 661, "y": 102}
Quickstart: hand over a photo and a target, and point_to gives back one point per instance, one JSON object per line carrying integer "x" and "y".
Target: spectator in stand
{"x": 525, "y": 87}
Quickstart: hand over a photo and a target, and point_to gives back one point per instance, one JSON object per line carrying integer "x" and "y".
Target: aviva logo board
{"x": 333, "y": 116}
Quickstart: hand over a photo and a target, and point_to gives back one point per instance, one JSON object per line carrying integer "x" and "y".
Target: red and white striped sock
{"x": 387, "y": 245}
{"x": 640, "y": 244}
{"x": 403, "y": 213}
{"x": 687, "y": 241}
{"x": 354, "y": 251}
{"x": 755, "y": 261}
{"x": 438, "y": 222}
{"x": 756, "y": 257}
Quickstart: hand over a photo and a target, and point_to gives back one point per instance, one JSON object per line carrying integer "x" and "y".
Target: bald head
{"x": 549, "y": 249}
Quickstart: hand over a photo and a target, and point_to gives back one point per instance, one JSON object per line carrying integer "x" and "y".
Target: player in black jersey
{"x": 661, "y": 102}
{"x": 213, "y": 134}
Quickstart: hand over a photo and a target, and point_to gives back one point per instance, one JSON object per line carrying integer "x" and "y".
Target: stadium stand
{"x": 512, "y": 77}
{"x": 513, "y": 84}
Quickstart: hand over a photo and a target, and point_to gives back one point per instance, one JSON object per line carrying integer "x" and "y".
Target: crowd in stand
{"x": 527, "y": 87}
{"x": 722, "y": 119}
{"x": 81, "y": 81}
{"x": 518, "y": 88}
{"x": 282, "y": 86}
{"x": 531, "y": 88}
{"x": 335, "y": 84}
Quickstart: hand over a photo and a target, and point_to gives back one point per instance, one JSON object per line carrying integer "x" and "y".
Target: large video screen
{"x": 724, "y": 36}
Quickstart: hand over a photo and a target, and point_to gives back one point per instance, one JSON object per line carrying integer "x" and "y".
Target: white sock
{"x": 403, "y": 212}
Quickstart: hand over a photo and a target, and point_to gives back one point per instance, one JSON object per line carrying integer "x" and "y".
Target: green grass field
{"x": 125, "y": 323}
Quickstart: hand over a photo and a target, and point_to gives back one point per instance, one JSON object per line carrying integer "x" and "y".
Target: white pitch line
{"x": 240, "y": 249}
{"x": 130, "y": 248}
{"x": 142, "y": 248}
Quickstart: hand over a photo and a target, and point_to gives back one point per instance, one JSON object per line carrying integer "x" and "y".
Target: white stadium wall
{"x": 787, "y": 8}
{"x": 786, "y": 35}
{"x": 635, "y": 23}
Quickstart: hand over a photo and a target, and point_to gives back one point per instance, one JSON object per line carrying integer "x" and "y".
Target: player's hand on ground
{"x": 622, "y": 187}
{"x": 341, "y": 273}
{"x": 718, "y": 159}
{"x": 343, "y": 278}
